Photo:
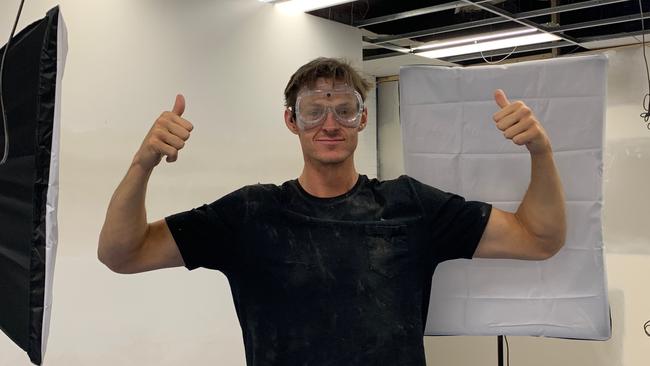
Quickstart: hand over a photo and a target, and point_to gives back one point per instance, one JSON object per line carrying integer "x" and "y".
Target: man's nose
{"x": 330, "y": 122}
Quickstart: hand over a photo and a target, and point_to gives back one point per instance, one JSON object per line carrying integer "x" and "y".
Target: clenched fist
{"x": 520, "y": 125}
{"x": 166, "y": 137}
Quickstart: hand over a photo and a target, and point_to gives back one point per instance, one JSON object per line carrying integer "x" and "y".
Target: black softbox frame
{"x": 29, "y": 181}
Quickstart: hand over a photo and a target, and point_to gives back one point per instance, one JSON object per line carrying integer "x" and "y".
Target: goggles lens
{"x": 313, "y": 106}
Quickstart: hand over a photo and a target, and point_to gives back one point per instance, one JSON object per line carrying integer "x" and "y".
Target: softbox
{"x": 29, "y": 181}
{"x": 451, "y": 142}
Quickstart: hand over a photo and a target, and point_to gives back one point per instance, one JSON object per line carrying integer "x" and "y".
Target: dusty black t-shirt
{"x": 331, "y": 281}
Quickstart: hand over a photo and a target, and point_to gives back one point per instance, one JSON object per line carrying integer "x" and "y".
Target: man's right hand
{"x": 166, "y": 137}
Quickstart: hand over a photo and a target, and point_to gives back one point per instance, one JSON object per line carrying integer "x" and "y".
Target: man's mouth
{"x": 329, "y": 141}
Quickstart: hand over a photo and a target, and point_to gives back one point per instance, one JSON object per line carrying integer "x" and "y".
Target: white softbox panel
{"x": 451, "y": 142}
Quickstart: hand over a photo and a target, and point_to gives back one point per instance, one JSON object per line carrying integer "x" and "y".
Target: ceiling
{"x": 393, "y": 28}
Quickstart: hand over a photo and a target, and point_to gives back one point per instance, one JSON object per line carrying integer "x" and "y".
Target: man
{"x": 332, "y": 268}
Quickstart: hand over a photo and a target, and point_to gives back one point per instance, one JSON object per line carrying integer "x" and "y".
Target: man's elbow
{"x": 549, "y": 248}
{"x": 551, "y": 242}
{"x": 110, "y": 262}
{"x": 112, "y": 265}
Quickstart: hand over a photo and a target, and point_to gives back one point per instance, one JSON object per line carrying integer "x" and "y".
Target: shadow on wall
{"x": 626, "y": 202}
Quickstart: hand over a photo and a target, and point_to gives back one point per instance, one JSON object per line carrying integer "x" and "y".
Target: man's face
{"x": 329, "y": 142}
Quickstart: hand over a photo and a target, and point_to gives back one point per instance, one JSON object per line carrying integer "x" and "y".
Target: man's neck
{"x": 328, "y": 180}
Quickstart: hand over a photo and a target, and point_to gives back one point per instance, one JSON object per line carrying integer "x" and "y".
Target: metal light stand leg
{"x": 500, "y": 349}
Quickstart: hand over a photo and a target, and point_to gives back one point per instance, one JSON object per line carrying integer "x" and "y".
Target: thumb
{"x": 500, "y": 98}
{"x": 179, "y": 105}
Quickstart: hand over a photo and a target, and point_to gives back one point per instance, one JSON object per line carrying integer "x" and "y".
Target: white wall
{"x": 626, "y": 232}
{"x": 127, "y": 60}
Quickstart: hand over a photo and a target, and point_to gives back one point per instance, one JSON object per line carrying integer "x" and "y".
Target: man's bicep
{"x": 159, "y": 250}
{"x": 506, "y": 237}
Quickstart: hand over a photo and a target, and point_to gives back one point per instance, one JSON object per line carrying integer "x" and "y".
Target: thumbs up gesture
{"x": 166, "y": 137}
{"x": 520, "y": 125}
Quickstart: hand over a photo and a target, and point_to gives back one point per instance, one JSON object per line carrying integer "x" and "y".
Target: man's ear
{"x": 290, "y": 121}
{"x": 364, "y": 119}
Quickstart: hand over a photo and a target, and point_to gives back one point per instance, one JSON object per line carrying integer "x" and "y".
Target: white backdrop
{"x": 450, "y": 142}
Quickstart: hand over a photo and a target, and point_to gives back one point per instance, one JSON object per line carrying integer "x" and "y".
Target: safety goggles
{"x": 313, "y": 106}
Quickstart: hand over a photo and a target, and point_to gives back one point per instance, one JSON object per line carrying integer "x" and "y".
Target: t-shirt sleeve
{"x": 205, "y": 236}
{"x": 457, "y": 225}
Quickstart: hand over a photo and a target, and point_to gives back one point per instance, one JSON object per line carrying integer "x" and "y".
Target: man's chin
{"x": 327, "y": 159}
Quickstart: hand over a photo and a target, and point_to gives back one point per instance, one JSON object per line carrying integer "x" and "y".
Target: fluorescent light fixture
{"x": 489, "y": 45}
{"x": 297, "y": 6}
{"x": 476, "y": 38}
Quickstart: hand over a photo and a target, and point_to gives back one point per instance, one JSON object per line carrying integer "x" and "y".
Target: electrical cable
{"x": 646, "y": 98}
{"x": 367, "y": 9}
{"x": 496, "y": 62}
{"x": 507, "y": 351}
{"x": 5, "y": 155}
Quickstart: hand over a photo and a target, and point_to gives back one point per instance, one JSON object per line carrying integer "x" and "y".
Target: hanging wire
{"x": 352, "y": 20}
{"x": 496, "y": 62}
{"x": 646, "y": 98}
{"x": 5, "y": 155}
{"x": 367, "y": 9}
{"x": 507, "y": 351}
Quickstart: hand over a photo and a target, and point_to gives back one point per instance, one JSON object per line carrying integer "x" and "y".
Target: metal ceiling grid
{"x": 388, "y": 35}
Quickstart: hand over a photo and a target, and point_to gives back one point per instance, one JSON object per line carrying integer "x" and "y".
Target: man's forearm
{"x": 542, "y": 210}
{"x": 126, "y": 219}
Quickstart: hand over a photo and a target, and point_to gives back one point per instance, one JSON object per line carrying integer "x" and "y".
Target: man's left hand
{"x": 520, "y": 125}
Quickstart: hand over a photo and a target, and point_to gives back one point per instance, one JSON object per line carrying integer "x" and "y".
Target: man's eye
{"x": 313, "y": 112}
{"x": 345, "y": 111}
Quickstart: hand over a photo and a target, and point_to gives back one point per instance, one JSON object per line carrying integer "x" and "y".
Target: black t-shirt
{"x": 331, "y": 281}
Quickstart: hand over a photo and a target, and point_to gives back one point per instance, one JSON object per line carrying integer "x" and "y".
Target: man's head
{"x": 327, "y": 68}
{"x": 332, "y": 92}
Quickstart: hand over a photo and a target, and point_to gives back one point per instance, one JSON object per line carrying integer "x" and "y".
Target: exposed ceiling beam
{"x": 388, "y": 46}
{"x": 615, "y": 36}
{"x": 518, "y": 49}
{"x": 504, "y": 16}
{"x": 412, "y": 13}
{"x": 595, "y": 23}
{"x": 599, "y": 23}
{"x": 494, "y": 20}
{"x": 383, "y": 55}
{"x": 541, "y": 46}
{"x": 567, "y": 7}
{"x": 548, "y": 45}
{"x": 524, "y": 22}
